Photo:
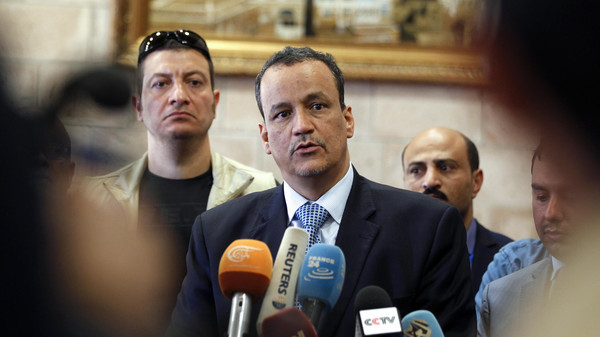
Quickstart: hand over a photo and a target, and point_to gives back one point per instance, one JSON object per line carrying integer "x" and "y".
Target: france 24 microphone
{"x": 244, "y": 274}
{"x": 289, "y": 322}
{"x": 320, "y": 281}
{"x": 421, "y": 323}
{"x": 281, "y": 291}
{"x": 375, "y": 313}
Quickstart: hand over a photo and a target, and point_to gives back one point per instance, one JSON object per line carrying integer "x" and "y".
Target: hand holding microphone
{"x": 321, "y": 279}
{"x": 244, "y": 274}
{"x": 421, "y": 323}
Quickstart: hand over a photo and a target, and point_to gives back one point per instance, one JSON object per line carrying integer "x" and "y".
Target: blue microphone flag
{"x": 322, "y": 274}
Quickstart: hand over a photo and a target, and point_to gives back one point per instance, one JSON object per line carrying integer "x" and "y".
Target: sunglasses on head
{"x": 184, "y": 37}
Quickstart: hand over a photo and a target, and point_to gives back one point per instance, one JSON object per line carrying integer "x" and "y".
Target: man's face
{"x": 305, "y": 128}
{"x": 553, "y": 204}
{"x": 177, "y": 100}
{"x": 436, "y": 163}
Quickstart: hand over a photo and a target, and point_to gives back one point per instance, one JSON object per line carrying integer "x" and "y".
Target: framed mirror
{"x": 428, "y": 41}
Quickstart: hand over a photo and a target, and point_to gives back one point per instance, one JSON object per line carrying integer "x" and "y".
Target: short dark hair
{"x": 472, "y": 153}
{"x": 172, "y": 45}
{"x": 289, "y": 56}
{"x": 537, "y": 153}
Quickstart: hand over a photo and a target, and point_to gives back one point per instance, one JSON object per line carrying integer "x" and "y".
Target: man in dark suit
{"x": 444, "y": 164}
{"x": 410, "y": 245}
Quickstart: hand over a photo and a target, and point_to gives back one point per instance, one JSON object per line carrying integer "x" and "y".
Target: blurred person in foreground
{"x": 543, "y": 62}
{"x": 509, "y": 301}
{"x": 68, "y": 269}
{"x": 411, "y": 245}
{"x": 180, "y": 176}
{"x": 53, "y": 167}
{"x": 444, "y": 164}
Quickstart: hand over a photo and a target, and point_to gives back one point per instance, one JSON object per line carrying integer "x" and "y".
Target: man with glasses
{"x": 179, "y": 176}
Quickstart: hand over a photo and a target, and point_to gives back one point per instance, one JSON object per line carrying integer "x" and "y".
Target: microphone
{"x": 375, "y": 313}
{"x": 289, "y": 322}
{"x": 244, "y": 274}
{"x": 108, "y": 86}
{"x": 281, "y": 291}
{"x": 321, "y": 279}
{"x": 421, "y": 323}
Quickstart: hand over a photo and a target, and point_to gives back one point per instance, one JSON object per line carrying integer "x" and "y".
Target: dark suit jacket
{"x": 411, "y": 245}
{"x": 487, "y": 244}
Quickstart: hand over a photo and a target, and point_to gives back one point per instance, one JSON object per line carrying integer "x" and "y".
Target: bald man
{"x": 444, "y": 164}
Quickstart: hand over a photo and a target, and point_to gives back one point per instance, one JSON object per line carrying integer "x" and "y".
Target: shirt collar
{"x": 556, "y": 265}
{"x": 334, "y": 200}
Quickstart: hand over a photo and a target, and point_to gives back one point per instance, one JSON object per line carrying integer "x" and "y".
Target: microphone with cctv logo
{"x": 421, "y": 323}
{"x": 282, "y": 289}
{"x": 375, "y": 313}
{"x": 320, "y": 281}
{"x": 244, "y": 274}
{"x": 289, "y": 322}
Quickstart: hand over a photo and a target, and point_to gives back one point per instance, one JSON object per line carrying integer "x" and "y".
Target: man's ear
{"x": 136, "y": 101}
{"x": 477, "y": 182}
{"x": 216, "y": 98}
{"x": 264, "y": 136}
{"x": 349, "y": 117}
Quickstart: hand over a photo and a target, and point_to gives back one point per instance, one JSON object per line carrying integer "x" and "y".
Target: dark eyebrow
{"x": 416, "y": 163}
{"x": 279, "y": 106}
{"x": 316, "y": 95}
{"x": 195, "y": 72}
{"x": 538, "y": 187}
{"x": 445, "y": 160}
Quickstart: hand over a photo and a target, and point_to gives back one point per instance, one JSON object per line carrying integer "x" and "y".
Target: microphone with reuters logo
{"x": 244, "y": 274}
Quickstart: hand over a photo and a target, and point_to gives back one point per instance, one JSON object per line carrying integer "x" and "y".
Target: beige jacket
{"x": 120, "y": 188}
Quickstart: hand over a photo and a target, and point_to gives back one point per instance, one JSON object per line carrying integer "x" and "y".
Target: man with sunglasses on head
{"x": 179, "y": 176}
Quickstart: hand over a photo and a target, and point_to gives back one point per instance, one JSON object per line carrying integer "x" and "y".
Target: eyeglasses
{"x": 184, "y": 37}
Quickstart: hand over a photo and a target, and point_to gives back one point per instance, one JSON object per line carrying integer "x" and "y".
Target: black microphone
{"x": 375, "y": 313}
{"x": 108, "y": 86}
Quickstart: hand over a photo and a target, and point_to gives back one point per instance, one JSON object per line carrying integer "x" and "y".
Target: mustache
{"x": 434, "y": 191}
{"x": 304, "y": 139}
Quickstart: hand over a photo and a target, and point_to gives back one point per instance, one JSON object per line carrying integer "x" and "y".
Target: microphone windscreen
{"x": 281, "y": 291}
{"x": 376, "y": 313}
{"x": 421, "y": 323}
{"x": 322, "y": 274}
{"x": 372, "y": 297}
{"x": 246, "y": 267}
{"x": 289, "y": 322}
{"x": 107, "y": 86}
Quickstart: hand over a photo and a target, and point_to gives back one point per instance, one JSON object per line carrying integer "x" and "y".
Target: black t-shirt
{"x": 170, "y": 206}
{"x": 173, "y": 204}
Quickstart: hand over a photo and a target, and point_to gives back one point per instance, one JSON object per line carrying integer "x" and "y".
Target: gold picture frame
{"x": 375, "y": 62}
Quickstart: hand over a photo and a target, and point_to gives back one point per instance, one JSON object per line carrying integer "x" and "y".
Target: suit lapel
{"x": 355, "y": 237}
{"x": 271, "y": 221}
{"x": 535, "y": 291}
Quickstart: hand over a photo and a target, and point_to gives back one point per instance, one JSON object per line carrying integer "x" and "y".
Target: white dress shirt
{"x": 334, "y": 201}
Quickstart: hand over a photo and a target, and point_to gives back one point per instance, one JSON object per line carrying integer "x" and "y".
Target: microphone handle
{"x": 313, "y": 308}
{"x": 239, "y": 318}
